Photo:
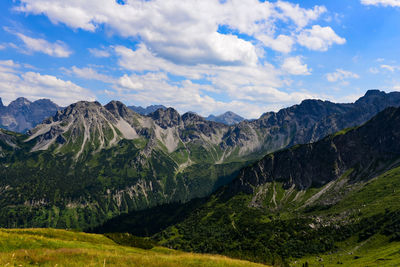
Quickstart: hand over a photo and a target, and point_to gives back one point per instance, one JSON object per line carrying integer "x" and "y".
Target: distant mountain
{"x": 94, "y": 162}
{"x": 145, "y": 111}
{"x": 228, "y": 118}
{"x": 21, "y": 114}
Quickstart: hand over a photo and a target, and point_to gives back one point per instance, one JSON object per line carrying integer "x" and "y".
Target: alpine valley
{"x": 317, "y": 181}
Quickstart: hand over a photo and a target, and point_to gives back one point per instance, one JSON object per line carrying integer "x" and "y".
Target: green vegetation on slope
{"x": 289, "y": 230}
{"x": 376, "y": 251}
{"x": 49, "y": 247}
{"x": 47, "y": 189}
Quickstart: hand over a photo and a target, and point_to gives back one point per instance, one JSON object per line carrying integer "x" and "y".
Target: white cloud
{"x": 390, "y": 68}
{"x": 319, "y": 38}
{"x": 282, "y": 43}
{"x": 194, "y": 40}
{"x": 9, "y": 63}
{"x": 294, "y": 66}
{"x": 89, "y": 74}
{"x": 393, "y": 3}
{"x": 101, "y": 53}
{"x": 33, "y": 85}
{"x": 299, "y": 15}
{"x": 186, "y": 95}
{"x": 232, "y": 79}
{"x": 186, "y": 31}
{"x": 341, "y": 75}
{"x": 247, "y": 88}
{"x": 57, "y": 49}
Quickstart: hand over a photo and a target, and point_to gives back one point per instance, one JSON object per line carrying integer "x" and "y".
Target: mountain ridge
{"x": 346, "y": 195}
{"x": 147, "y": 110}
{"x": 116, "y": 160}
{"x": 22, "y": 115}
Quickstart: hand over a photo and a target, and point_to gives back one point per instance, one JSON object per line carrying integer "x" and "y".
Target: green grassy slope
{"x": 376, "y": 251}
{"x": 364, "y": 222}
{"x": 50, "y": 247}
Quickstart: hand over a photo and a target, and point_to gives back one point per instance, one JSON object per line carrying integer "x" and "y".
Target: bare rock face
{"x": 97, "y": 127}
{"x": 366, "y": 149}
{"x": 166, "y": 118}
{"x": 85, "y": 127}
{"x": 21, "y": 114}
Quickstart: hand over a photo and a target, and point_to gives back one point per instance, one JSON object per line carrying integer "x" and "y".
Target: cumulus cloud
{"x": 319, "y": 38}
{"x": 232, "y": 79}
{"x": 186, "y": 31}
{"x": 15, "y": 83}
{"x": 144, "y": 90}
{"x": 282, "y": 43}
{"x": 341, "y": 75}
{"x": 247, "y": 88}
{"x": 211, "y": 48}
{"x": 393, "y": 3}
{"x": 293, "y": 65}
{"x": 299, "y": 15}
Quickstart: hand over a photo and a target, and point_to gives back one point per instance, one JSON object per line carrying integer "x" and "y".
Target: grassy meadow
{"x": 51, "y": 247}
{"x": 376, "y": 251}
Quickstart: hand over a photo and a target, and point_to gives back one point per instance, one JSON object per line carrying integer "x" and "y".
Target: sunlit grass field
{"x": 51, "y": 247}
{"x": 376, "y": 251}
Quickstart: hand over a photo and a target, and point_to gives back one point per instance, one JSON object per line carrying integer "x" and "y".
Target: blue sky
{"x": 205, "y": 56}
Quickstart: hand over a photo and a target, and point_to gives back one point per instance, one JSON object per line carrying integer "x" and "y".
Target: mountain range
{"x": 327, "y": 198}
{"x": 228, "y": 118}
{"x": 21, "y": 114}
{"x": 89, "y": 163}
{"x": 303, "y": 200}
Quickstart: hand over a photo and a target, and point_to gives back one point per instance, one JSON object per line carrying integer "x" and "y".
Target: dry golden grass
{"x": 50, "y": 247}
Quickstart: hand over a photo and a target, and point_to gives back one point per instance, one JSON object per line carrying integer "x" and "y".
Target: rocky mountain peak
{"x": 1, "y": 103}
{"x": 84, "y": 127}
{"x": 191, "y": 117}
{"x": 45, "y": 103}
{"x": 228, "y": 118}
{"x": 82, "y": 110}
{"x": 372, "y": 96}
{"x": 374, "y": 92}
{"x": 166, "y": 117}
{"x": 19, "y": 102}
{"x": 118, "y": 109}
{"x": 21, "y": 114}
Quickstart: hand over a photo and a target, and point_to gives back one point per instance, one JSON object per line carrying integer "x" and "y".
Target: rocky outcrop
{"x": 166, "y": 118}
